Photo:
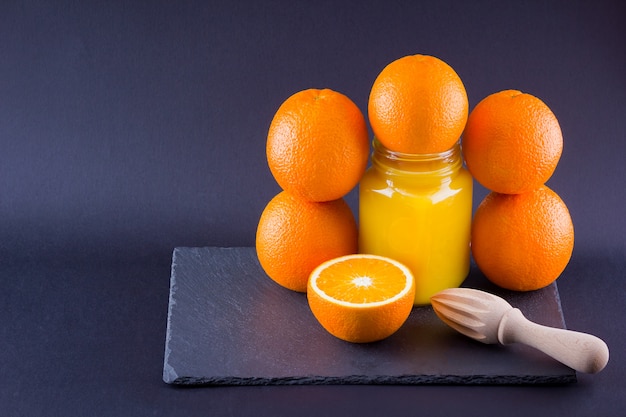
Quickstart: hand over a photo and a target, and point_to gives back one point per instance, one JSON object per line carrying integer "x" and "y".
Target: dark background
{"x": 128, "y": 128}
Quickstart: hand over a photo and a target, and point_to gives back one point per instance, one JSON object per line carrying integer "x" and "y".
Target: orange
{"x": 317, "y": 145}
{"x": 418, "y": 105}
{"x": 295, "y": 235}
{"x": 361, "y": 298}
{"x": 522, "y": 242}
{"x": 512, "y": 142}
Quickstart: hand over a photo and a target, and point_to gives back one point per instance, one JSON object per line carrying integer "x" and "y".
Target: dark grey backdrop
{"x": 130, "y": 127}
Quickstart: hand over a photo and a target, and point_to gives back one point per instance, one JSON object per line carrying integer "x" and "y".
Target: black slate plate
{"x": 230, "y": 324}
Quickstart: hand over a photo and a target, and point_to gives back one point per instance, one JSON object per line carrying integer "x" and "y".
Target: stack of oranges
{"x": 522, "y": 233}
{"x": 317, "y": 150}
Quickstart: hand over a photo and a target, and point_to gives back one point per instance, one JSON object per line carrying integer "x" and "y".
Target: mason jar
{"x": 417, "y": 209}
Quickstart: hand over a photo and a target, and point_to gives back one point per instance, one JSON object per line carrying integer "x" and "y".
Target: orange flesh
{"x": 372, "y": 281}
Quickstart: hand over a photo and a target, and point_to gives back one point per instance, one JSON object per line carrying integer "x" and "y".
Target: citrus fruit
{"x": 522, "y": 242}
{"x": 361, "y": 298}
{"x": 512, "y": 142}
{"x": 296, "y": 235}
{"x": 418, "y": 104}
{"x": 317, "y": 145}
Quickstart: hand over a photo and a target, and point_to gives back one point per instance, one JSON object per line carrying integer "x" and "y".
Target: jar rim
{"x": 403, "y": 156}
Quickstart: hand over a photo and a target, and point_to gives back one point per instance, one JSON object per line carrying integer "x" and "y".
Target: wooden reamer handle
{"x": 580, "y": 351}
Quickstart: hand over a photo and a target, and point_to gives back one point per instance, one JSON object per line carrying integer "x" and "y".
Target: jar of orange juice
{"x": 417, "y": 209}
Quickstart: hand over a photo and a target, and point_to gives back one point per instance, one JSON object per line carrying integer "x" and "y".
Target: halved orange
{"x": 361, "y": 298}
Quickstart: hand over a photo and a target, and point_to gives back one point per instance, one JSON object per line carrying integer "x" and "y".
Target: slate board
{"x": 230, "y": 324}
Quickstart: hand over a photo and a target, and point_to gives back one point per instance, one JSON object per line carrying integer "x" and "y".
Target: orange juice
{"x": 417, "y": 209}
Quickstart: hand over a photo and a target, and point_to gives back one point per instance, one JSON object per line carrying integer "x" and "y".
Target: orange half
{"x": 361, "y": 298}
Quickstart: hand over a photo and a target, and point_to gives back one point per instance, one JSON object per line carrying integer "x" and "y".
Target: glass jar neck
{"x": 432, "y": 165}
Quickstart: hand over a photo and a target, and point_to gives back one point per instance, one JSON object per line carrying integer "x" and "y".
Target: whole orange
{"x": 512, "y": 142}
{"x": 418, "y": 104}
{"x": 522, "y": 242}
{"x": 317, "y": 145}
{"x": 295, "y": 235}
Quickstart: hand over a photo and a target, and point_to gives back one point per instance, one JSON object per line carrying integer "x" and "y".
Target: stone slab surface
{"x": 230, "y": 324}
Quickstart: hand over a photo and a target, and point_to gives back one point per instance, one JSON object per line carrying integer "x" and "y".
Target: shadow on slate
{"x": 230, "y": 324}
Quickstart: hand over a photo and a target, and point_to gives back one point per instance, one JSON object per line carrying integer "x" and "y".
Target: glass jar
{"x": 417, "y": 209}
